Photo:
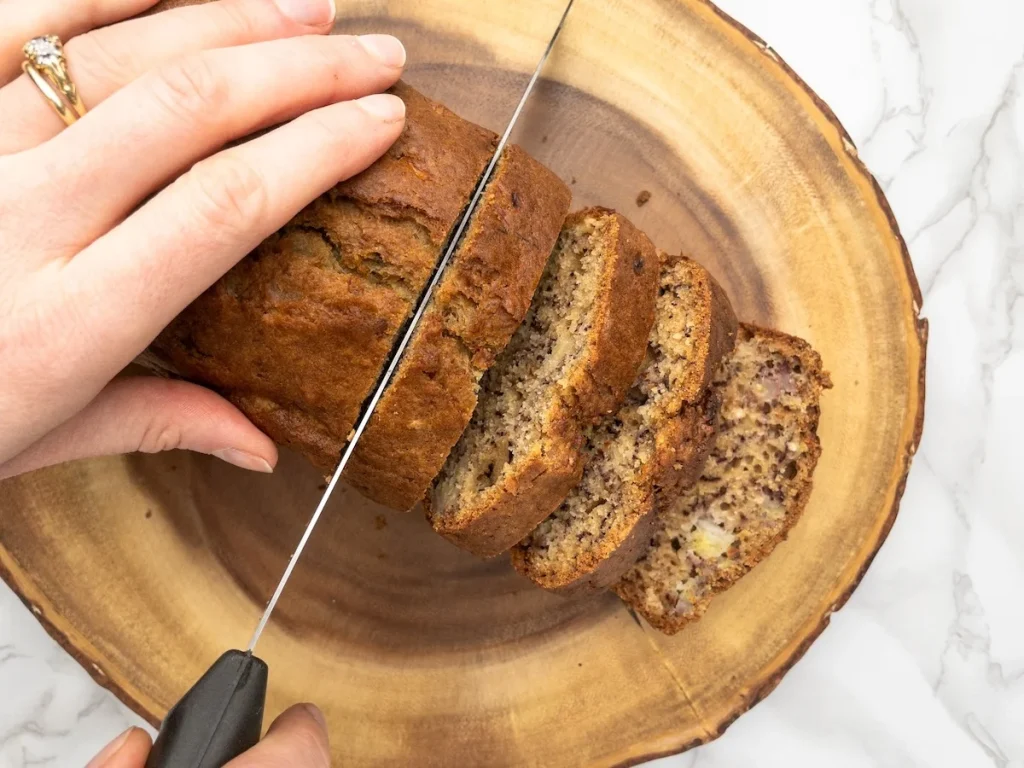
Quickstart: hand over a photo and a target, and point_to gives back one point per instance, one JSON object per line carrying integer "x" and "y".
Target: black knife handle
{"x": 218, "y": 719}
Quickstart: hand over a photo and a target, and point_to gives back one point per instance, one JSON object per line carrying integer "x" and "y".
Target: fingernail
{"x": 385, "y": 48}
{"x": 384, "y": 107}
{"x": 110, "y": 750}
{"x": 243, "y": 460}
{"x": 311, "y": 13}
{"x": 316, "y": 714}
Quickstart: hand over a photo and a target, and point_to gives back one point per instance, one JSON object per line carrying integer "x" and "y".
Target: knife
{"x": 221, "y": 716}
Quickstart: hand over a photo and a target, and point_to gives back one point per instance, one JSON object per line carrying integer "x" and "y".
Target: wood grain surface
{"x": 147, "y": 567}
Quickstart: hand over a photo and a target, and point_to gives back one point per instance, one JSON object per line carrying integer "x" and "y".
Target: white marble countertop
{"x": 925, "y": 664}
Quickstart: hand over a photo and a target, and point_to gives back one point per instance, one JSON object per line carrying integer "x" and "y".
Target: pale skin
{"x": 109, "y": 228}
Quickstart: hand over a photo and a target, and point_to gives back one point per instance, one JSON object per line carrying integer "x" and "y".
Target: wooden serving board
{"x": 147, "y": 567}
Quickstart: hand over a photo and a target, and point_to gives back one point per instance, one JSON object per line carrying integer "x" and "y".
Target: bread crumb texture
{"x": 571, "y": 363}
{"x": 520, "y": 393}
{"x": 755, "y": 483}
{"x": 645, "y": 451}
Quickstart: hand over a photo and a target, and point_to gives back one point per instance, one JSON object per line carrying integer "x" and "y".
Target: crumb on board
{"x": 380, "y": 522}
{"x": 642, "y": 198}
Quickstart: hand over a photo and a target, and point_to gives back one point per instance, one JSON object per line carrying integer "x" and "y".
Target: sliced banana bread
{"x": 296, "y": 334}
{"x": 482, "y": 298}
{"x": 646, "y": 453}
{"x": 571, "y": 362}
{"x": 755, "y": 484}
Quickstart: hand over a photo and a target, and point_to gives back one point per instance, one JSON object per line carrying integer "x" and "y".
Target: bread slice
{"x": 571, "y": 362}
{"x": 479, "y": 303}
{"x": 754, "y": 486}
{"x": 647, "y": 452}
{"x": 296, "y": 334}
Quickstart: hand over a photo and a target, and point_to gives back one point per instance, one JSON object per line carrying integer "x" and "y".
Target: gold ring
{"x": 46, "y": 65}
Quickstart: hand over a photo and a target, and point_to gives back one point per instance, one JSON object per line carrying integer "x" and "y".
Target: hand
{"x": 109, "y": 228}
{"x": 297, "y": 739}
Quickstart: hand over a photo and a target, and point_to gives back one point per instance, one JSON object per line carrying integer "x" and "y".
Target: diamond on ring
{"x": 44, "y": 51}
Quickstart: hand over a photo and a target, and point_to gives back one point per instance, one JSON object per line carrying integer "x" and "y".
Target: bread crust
{"x": 481, "y": 300}
{"x": 719, "y": 581}
{"x": 718, "y": 327}
{"x": 724, "y": 328}
{"x": 624, "y": 312}
{"x": 297, "y": 333}
{"x": 624, "y": 317}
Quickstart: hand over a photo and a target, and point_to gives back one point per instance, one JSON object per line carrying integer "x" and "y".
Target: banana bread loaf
{"x": 297, "y": 333}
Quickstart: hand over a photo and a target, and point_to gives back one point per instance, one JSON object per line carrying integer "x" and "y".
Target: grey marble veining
{"x": 925, "y": 665}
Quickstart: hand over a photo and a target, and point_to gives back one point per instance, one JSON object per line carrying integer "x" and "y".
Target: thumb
{"x": 129, "y": 750}
{"x": 150, "y": 415}
{"x": 296, "y": 739}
